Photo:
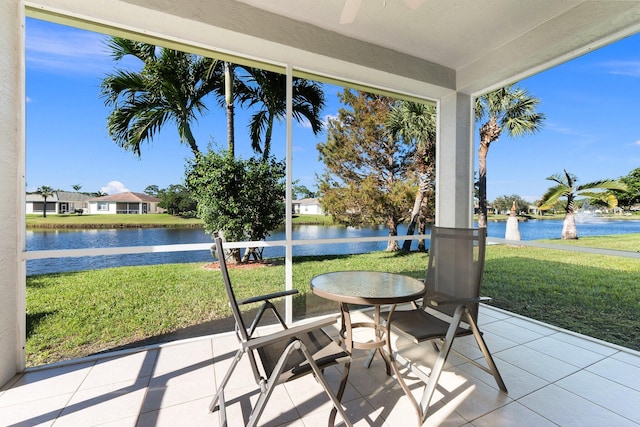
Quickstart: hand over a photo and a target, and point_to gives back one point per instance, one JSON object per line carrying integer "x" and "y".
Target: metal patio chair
{"x": 284, "y": 356}
{"x": 449, "y": 308}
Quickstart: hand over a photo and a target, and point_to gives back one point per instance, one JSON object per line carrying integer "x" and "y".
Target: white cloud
{"x": 623, "y": 68}
{"x": 636, "y": 143}
{"x": 28, "y": 100}
{"x": 56, "y": 48}
{"x": 114, "y": 187}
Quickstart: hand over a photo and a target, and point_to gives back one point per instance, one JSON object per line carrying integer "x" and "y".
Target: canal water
{"x": 75, "y": 239}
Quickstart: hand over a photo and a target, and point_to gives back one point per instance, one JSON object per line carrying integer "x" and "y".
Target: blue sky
{"x": 592, "y": 106}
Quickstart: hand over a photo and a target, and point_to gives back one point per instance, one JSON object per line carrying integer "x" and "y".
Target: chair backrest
{"x": 233, "y": 302}
{"x": 456, "y": 265}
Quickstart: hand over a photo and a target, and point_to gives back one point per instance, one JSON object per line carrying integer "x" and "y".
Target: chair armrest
{"x": 268, "y": 296}
{"x": 291, "y": 332}
{"x": 438, "y": 299}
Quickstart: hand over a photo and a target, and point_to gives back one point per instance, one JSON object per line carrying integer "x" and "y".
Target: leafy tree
{"x": 45, "y": 191}
{"x": 152, "y": 190}
{"x": 416, "y": 124}
{"x": 267, "y": 91}
{"x": 171, "y": 86}
{"x": 631, "y": 196}
{"x": 504, "y": 203}
{"x": 301, "y": 192}
{"x": 76, "y": 187}
{"x": 509, "y": 108}
{"x": 177, "y": 200}
{"x": 243, "y": 199}
{"x": 566, "y": 186}
{"x": 368, "y": 173}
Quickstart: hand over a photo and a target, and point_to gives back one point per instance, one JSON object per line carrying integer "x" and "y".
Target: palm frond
{"x": 552, "y": 195}
{"x": 606, "y": 184}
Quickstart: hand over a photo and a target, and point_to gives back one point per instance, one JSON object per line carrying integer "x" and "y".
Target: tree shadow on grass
{"x": 34, "y": 319}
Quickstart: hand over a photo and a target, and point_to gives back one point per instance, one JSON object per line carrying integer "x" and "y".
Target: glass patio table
{"x": 369, "y": 288}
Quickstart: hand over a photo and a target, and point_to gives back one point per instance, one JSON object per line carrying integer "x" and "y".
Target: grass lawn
{"x": 110, "y": 221}
{"x": 146, "y": 220}
{"x": 71, "y": 315}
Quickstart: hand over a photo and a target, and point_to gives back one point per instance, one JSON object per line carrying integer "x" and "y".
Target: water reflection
{"x": 76, "y": 239}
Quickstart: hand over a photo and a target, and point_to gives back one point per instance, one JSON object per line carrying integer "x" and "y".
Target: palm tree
{"x": 509, "y": 108}
{"x": 45, "y": 191}
{"x": 566, "y": 186}
{"x": 171, "y": 86}
{"x": 416, "y": 122}
{"x": 267, "y": 91}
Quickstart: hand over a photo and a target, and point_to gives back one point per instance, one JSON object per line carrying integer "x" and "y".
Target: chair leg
{"x": 218, "y": 398}
{"x": 339, "y": 394}
{"x": 493, "y": 369}
{"x": 266, "y": 394}
{"x": 440, "y": 361}
{"x": 267, "y": 389}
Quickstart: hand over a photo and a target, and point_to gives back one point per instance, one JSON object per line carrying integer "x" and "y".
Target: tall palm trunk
{"x": 569, "y": 229}
{"x": 424, "y": 188}
{"x": 489, "y": 132}
{"x": 392, "y": 226}
{"x": 44, "y": 211}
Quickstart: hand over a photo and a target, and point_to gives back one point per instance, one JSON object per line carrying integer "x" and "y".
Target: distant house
{"x": 60, "y": 202}
{"x": 124, "y": 203}
{"x": 309, "y": 206}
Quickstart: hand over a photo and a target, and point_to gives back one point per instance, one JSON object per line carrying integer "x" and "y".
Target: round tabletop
{"x": 367, "y": 287}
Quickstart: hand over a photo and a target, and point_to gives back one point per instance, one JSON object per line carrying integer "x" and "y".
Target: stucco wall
{"x": 12, "y": 208}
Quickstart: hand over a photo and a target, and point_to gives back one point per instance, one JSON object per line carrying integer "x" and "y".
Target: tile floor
{"x": 554, "y": 378}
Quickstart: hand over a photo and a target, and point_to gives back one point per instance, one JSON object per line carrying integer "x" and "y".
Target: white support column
{"x": 454, "y": 162}
{"x": 288, "y": 265}
{"x": 12, "y": 190}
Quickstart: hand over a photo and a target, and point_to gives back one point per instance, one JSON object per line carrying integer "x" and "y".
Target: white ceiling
{"x": 485, "y": 41}
{"x": 424, "y": 47}
{"x": 453, "y": 33}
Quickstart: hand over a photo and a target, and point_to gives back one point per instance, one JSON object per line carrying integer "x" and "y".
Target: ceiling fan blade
{"x": 350, "y": 10}
{"x": 414, "y": 4}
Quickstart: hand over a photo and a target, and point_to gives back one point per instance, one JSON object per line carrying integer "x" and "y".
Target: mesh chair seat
{"x": 419, "y": 325}
{"x": 325, "y": 351}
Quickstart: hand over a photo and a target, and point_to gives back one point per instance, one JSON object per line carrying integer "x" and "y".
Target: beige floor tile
{"x": 531, "y": 326}
{"x": 192, "y": 414}
{"x": 512, "y": 415}
{"x": 161, "y": 394}
{"x": 43, "y": 383}
{"x": 175, "y": 359}
{"x": 628, "y": 357}
{"x": 493, "y": 312}
{"x": 539, "y": 364}
{"x": 507, "y": 330}
{"x": 122, "y": 368}
{"x": 617, "y": 371}
{"x": 474, "y": 398}
{"x": 362, "y": 414}
{"x": 518, "y": 381}
{"x": 172, "y": 385}
{"x": 34, "y": 413}
{"x": 567, "y": 409}
{"x": 569, "y": 353}
{"x": 122, "y": 422}
{"x": 618, "y": 398}
{"x": 104, "y": 404}
{"x": 583, "y": 342}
